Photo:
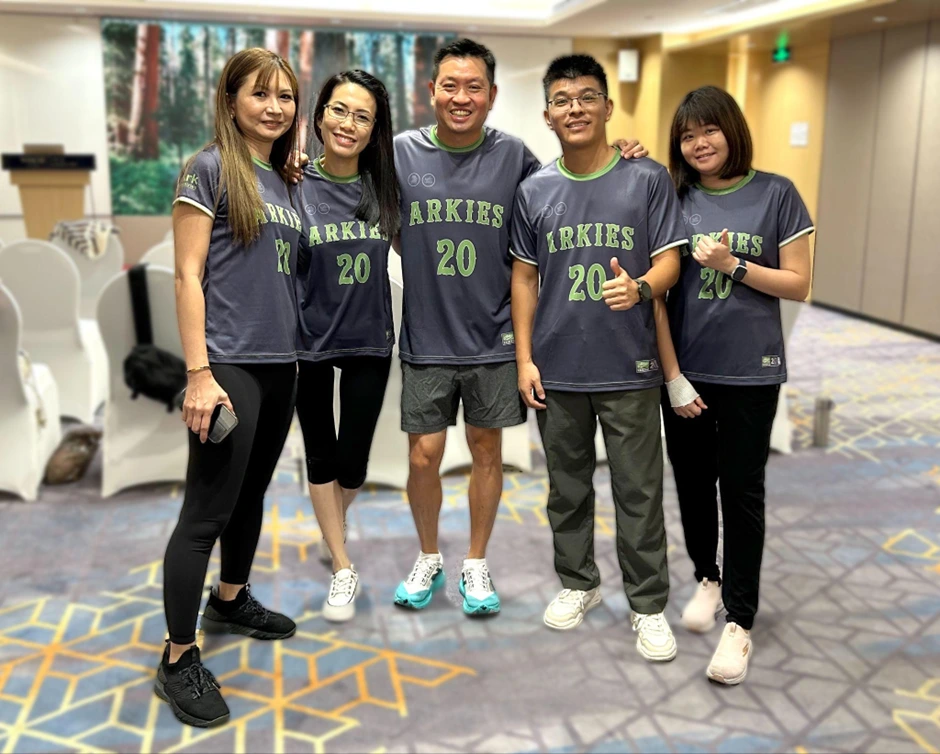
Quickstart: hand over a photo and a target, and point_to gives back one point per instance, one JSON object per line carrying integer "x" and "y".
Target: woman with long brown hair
{"x": 236, "y": 245}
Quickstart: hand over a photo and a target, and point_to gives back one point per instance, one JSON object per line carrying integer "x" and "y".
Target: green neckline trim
{"x": 731, "y": 189}
{"x": 318, "y": 166}
{"x": 590, "y": 176}
{"x": 457, "y": 150}
{"x": 262, "y": 164}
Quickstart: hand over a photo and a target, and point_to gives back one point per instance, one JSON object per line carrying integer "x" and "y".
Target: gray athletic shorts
{"x": 431, "y": 392}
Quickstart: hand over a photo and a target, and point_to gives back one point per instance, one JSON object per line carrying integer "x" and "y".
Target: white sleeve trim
{"x": 668, "y": 246}
{"x": 523, "y": 259}
{"x": 791, "y": 239}
{"x": 196, "y": 204}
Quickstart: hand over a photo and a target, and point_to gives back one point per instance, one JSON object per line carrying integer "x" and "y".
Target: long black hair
{"x": 379, "y": 204}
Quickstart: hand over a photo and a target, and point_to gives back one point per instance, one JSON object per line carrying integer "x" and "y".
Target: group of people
{"x": 525, "y": 286}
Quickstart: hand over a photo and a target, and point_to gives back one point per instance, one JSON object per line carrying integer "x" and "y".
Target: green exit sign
{"x": 782, "y": 50}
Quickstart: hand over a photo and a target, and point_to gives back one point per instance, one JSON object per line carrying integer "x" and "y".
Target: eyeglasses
{"x": 588, "y": 99}
{"x": 339, "y": 113}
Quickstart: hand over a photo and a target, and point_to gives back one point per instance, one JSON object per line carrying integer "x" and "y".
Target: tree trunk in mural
{"x": 137, "y": 89}
{"x": 425, "y": 47}
{"x": 306, "y": 102}
{"x": 282, "y": 41}
{"x": 149, "y": 144}
{"x": 400, "y": 107}
{"x": 208, "y": 99}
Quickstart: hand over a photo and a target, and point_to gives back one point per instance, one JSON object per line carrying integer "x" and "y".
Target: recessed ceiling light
{"x": 336, "y": 21}
{"x": 880, "y": 19}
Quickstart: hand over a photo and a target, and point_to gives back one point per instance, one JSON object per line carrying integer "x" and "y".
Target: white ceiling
{"x": 619, "y": 18}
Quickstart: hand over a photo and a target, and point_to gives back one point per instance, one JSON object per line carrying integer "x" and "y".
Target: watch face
{"x": 645, "y": 291}
{"x": 739, "y": 272}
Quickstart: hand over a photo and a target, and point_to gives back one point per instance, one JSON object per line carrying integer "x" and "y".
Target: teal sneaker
{"x": 425, "y": 578}
{"x": 477, "y": 589}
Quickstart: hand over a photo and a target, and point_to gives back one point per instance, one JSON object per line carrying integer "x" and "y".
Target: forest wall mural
{"x": 160, "y": 81}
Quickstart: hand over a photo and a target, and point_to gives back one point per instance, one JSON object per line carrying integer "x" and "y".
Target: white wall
{"x": 52, "y": 80}
{"x": 520, "y": 104}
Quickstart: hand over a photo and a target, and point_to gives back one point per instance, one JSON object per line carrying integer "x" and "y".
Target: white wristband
{"x": 681, "y": 392}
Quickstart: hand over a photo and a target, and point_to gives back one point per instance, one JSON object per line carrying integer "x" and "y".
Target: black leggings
{"x": 728, "y": 444}
{"x": 361, "y": 392}
{"x": 225, "y": 486}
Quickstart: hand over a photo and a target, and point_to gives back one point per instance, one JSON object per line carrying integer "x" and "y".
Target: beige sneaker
{"x": 567, "y": 610}
{"x": 699, "y": 614}
{"x": 729, "y": 663}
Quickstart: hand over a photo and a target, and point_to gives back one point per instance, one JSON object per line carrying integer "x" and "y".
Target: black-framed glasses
{"x": 588, "y": 99}
{"x": 339, "y": 113}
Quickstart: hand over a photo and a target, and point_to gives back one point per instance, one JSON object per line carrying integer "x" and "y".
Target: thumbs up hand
{"x": 715, "y": 254}
{"x": 620, "y": 292}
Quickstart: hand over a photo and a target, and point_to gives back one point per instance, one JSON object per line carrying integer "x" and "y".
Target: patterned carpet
{"x": 847, "y": 642}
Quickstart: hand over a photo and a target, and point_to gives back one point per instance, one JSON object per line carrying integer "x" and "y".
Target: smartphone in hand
{"x": 222, "y": 423}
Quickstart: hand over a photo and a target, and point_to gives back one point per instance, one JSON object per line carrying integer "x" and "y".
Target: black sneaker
{"x": 191, "y": 690}
{"x": 249, "y": 618}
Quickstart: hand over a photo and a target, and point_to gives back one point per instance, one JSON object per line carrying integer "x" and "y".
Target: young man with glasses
{"x": 596, "y": 238}
{"x": 457, "y": 182}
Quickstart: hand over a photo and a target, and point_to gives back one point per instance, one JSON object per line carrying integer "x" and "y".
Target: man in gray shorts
{"x": 458, "y": 180}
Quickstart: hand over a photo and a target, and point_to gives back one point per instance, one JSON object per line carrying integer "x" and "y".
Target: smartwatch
{"x": 643, "y": 288}
{"x": 738, "y": 273}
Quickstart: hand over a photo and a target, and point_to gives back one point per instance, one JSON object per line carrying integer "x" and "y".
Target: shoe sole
{"x": 717, "y": 678}
{"x": 182, "y": 716}
{"x": 580, "y": 618}
{"x": 343, "y": 613}
{"x": 436, "y": 583}
{"x": 656, "y": 658}
{"x": 211, "y": 626}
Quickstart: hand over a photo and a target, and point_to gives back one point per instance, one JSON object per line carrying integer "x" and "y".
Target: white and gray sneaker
{"x": 654, "y": 639}
{"x": 323, "y": 551}
{"x": 340, "y": 605}
{"x": 567, "y": 610}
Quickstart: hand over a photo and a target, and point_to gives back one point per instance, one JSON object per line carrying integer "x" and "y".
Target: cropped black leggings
{"x": 225, "y": 486}
{"x": 344, "y": 458}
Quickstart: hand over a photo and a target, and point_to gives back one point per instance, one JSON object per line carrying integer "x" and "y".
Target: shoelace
{"x": 478, "y": 579}
{"x": 571, "y": 597}
{"x": 424, "y": 571}
{"x": 253, "y": 607}
{"x": 342, "y": 586}
{"x": 655, "y": 622}
{"x": 199, "y": 679}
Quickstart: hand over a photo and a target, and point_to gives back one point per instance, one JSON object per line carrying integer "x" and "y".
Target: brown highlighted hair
{"x": 709, "y": 105}
{"x": 238, "y": 178}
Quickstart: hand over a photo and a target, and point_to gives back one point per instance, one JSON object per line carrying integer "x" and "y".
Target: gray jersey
{"x": 251, "y": 311}
{"x": 727, "y": 332}
{"x": 571, "y": 226}
{"x": 343, "y": 291}
{"x": 456, "y": 267}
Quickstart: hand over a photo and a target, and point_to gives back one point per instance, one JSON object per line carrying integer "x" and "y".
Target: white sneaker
{"x": 699, "y": 614}
{"x": 340, "y": 604}
{"x": 567, "y": 610}
{"x": 425, "y": 578}
{"x": 477, "y": 589}
{"x": 729, "y": 663}
{"x": 323, "y": 551}
{"x": 654, "y": 639}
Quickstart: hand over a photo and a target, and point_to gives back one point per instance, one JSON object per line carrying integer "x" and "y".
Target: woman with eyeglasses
{"x": 749, "y": 248}
{"x": 349, "y": 202}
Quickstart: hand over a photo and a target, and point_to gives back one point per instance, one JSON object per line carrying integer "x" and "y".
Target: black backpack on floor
{"x": 149, "y": 370}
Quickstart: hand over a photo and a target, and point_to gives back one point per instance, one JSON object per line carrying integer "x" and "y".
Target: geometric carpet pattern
{"x": 846, "y": 643}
